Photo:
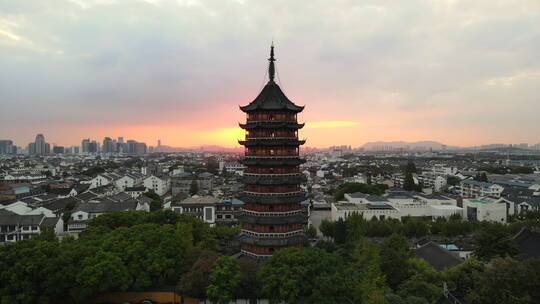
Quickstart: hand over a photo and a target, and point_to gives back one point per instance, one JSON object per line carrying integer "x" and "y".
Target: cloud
{"x": 331, "y": 124}
{"x": 411, "y": 64}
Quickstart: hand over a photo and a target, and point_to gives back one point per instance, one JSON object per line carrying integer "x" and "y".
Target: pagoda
{"x": 272, "y": 217}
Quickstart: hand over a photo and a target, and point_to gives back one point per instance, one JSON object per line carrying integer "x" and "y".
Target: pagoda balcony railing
{"x": 270, "y": 156}
{"x": 273, "y": 174}
{"x": 272, "y": 213}
{"x": 281, "y": 119}
{"x": 293, "y": 137}
{"x": 255, "y": 255}
{"x": 273, "y": 234}
{"x": 292, "y": 193}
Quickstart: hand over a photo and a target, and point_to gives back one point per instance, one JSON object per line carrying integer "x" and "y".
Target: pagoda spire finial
{"x": 271, "y": 68}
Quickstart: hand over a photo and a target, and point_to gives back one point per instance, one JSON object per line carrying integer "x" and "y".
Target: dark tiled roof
{"x": 271, "y": 98}
{"x": 138, "y": 188}
{"x": 105, "y": 207}
{"x": 16, "y": 219}
{"x": 437, "y": 257}
{"x": 50, "y": 221}
{"x": 59, "y": 204}
{"x": 528, "y": 243}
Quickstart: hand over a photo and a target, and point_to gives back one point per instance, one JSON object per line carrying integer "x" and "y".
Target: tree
{"x": 481, "y": 177}
{"x": 452, "y": 180}
{"x": 248, "y": 279}
{"x": 372, "y": 287}
{"x": 411, "y": 167}
{"x": 327, "y": 228}
{"x": 311, "y": 231}
{"x": 101, "y": 273}
{"x": 194, "y": 188}
{"x": 408, "y": 182}
{"x": 415, "y": 228}
{"x": 395, "y": 253}
{"x": 156, "y": 205}
{"x": 292, "y": 274}
{"x": 461, "y": 278}
{"x": 424, "y": 281}
{"x": 340, "y": 231}
{"x": 505, "y": 280}
{"x": 224, "y": 280}
{"x": 212, "y": 165}
{"x": 193, "y": 283}
{"x": 340, "y": 191}
{"x": 493, "y": 240}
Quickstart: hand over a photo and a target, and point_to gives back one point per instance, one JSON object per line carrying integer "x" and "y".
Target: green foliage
{"x": 340, "y": 191}
{"x": 461, "y": 278}
{"x": 193, "y": 283}
{"x": 424, "y": 281}
{"x": 193, "y": 188}
{"x": 212, "y": 165}
{"x": 249, "y": 285}
{"x": 327, "y": 228}
{"x": 292, "y": 274}
{"x": 415, "y": 227}
{"x": 408, "y": 182}
{"x": 224, "y": 280}
{"x": 311, "y": 232}
{"x": 131, "y": 250}
{"x": 506, "y": 280}
{"x": 153, "y": 195}
{"x": 493, "y": 240}
{"x": 453, "y": 180}
{"x": 372, "y": 287}
{"x": 395, "y": 254}
{"x": 340, "y": 231}
{"x": 481, "y": 177}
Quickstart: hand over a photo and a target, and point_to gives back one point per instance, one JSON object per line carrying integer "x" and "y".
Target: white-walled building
{"x": 485, "y": 209}
{"x": 160, "y": 185}
{"x": 471, "y": 189}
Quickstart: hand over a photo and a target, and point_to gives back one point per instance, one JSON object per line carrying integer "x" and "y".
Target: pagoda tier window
{"x": 272, "y": 228}
{"x": 271, "y": 116}
{"x": 272, "y": 189}
{"x": 271, "y": 170}
{"x": 271, "y": 134}
{"x": 271, "y": 208}
{"x": 260, "y": 151}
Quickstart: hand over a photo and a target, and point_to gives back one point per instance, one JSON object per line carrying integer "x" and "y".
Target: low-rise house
{"x": 438, "y": 257}
{"x": 103, "y": 180}
{"x": 15, "y": 227}
{"x": 202, "y": 207}
{"x": 159, "y": 184}
{"x": 471, "y": 189}
{"x": 135, "y": 192}
{"x": 84, "y": 212}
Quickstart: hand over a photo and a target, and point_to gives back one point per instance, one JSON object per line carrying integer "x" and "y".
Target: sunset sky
{"x": 458, "y": 72}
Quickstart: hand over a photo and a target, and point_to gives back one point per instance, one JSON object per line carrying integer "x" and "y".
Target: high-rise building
{"x": 85, "y": 144}
{"x": 39, "y": 146}
{"x": 108, "y": 146}
{"x": 58, "y": 150}
{"x": 272, "y": 216}
{"x": 6, "y": 147}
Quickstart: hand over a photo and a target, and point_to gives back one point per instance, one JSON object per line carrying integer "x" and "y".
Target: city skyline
{"x": 459, "y": 73}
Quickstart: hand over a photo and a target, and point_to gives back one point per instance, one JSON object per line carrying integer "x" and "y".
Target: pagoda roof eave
{"x": 271, "y": 98}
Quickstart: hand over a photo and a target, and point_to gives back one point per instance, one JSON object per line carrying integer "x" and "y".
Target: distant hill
{"x": 418, "y": 145}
